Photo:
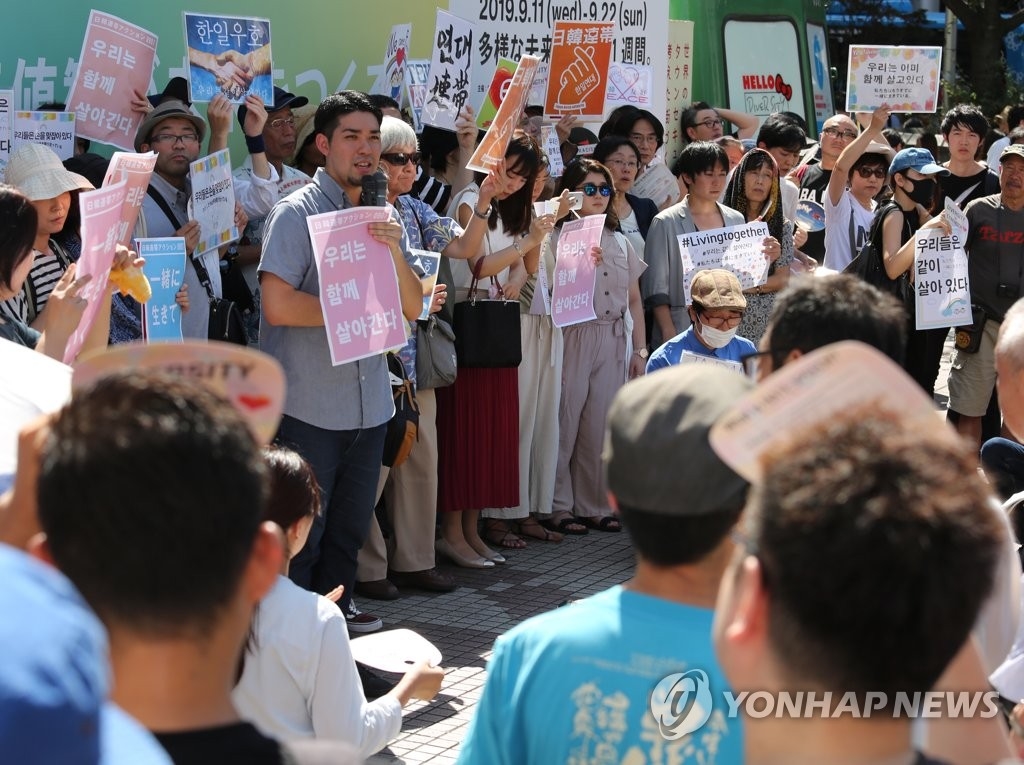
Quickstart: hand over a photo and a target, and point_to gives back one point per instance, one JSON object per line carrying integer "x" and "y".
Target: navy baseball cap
{"x": 916, "y": 159}
{"x": 282, "y": 100}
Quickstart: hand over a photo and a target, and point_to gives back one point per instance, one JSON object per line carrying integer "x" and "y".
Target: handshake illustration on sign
{"x": 578, "y": 81}
{"x": 233, "y": 70}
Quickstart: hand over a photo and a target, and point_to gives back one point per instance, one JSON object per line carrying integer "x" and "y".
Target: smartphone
{"x": 575, "y": 200}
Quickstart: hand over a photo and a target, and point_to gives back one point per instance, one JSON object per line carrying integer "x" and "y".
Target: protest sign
{"x": 430, "y": 262}
{"x": 491, "y": 150}
{"x": 358, "y": 284}
{"x": 164, "y": 270}
{"x": 213, "y": 201}
{"x": 6, "y": 113}
{"x": 628, "y": 85}
{"x": 678, "y": 85}
{"x": 552, "y": 148}
{"x": 394, "y": 650}
{"x": 116, "y": 61}
{"x": 942, "y": 289}
{"x": 956, "y": 218}
{"x": 449, "y": 80}
{"x": 688, "y": 357}
{"x": 53, "y": 129}
{"x": 580, "y": 54}
{"x": 391, "y": 74}
{"x": 228, "y": 55}
{"x": 136, "y": 169}
{"x": 657, "y": 183}
{"x": 500, "y": 83}
{"x": 904, "y": 78}
{"x": 739, "y": 249}
{"x": 572, "y": 297}
{"x": 101, "y": 219}
{"x": 416, "y": 73}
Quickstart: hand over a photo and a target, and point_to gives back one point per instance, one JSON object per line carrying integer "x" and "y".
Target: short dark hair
{"x": 18, "y": 223}
{"x": 435, "y": 146}
{"x": 1016, "y": 135}
{"x": 151, "y": 492}
{"x": 781, "y": 132}
{"x": 293, "y": 493}
{"x": 966, "y": 116}
{"x": 1015, "y": 116}
{"x": 573, "y": 176}
{"x": 870, "y": 159}
{"x": 688, "y": 118}
{"x": 622, "y": 120}
{"x": 902, "y": 525}
{"x": 668, "y": 540}
{"x": 700, "y": 157}
{"x": 893, "y": 138}
{"x": 812, "y": 313}
{"x": 383, "y": 101}
{"x": 611, "y": 144}
{"x": 337, "y": 105}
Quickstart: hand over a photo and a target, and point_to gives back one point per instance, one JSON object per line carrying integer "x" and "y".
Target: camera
{"x": 1011, "y": 291}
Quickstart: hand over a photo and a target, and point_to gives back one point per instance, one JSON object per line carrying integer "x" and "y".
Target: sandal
{"x": 529, "y": 527}
{"x": 566, "y": 524}
{"x": 608, "y": 523}
{"x": 499, "y": 532}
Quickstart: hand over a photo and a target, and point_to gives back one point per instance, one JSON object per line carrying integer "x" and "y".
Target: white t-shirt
{"x": 838, "y": 253}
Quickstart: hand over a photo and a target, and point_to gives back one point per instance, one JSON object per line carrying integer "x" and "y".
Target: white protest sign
{"x": 904, "y": 78}
{"x": 213, "y": 201}
{"x": 678, "y": 85}
{"x": 957, "y": 219}
{"x": 416, "y": 73}
{"x": 628, "y": 85}
{"x": 739, "y": 249}
{"x": 549, "y": 142}
{"x": 391, "y": 74}
{"x": 430, "y": 262}
{"x": 449, "y": 80}
{"x": 942, "y": 289}
{"x": 53, "y": 129}
{"x": 689, "y": 357}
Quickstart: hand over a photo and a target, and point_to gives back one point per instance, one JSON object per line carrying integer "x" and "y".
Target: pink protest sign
{"x": 116, "y": 60}
{"x": 101, "y": 219}
{"x": 358, "y": 284}
{"x": 572, "y": 292}
{"x": 136, "y": 169}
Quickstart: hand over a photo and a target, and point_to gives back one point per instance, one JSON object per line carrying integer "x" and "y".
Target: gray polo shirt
{"x": 346, "y": 397}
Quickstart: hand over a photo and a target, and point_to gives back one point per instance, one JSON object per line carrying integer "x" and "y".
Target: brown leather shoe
{"x": 378, "y": 589}
{"x": 431, "y": 580}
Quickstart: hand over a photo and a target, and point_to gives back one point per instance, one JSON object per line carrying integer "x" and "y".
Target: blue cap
{"x": 916, "y": 159}
{"x": 54, "y": 676}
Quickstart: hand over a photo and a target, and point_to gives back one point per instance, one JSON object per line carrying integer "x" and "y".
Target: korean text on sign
{"x": 575, "y": 275}
{"x": 491, "y": 150}
{"x": 53, "y": 129}
{"x": 580, "y": 55}
{"x": 448, "y": 83}
{"x": 228, "y": 55}
{"x": 136, "y": 169}
{"x": 213, "y": 201}
{"x": 116, "y": 61}
{"x": 902, "y": 77}
{"x": 165, "y": 270}
{"x": 739, "y": 249}
{"x": 359, "y": 293}
{"x": 942, "y": 291}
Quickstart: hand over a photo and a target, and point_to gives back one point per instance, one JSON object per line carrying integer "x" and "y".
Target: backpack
{"x": 869, "y": 264}
{"x": 403, "y": 427}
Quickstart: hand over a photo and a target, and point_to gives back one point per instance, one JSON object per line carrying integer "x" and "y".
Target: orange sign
{"x": 580, "y": 54}
{"x": 495, "y": 143}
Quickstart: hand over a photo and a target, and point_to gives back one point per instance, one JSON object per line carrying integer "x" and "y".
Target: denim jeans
{"x": 347, "y": 465}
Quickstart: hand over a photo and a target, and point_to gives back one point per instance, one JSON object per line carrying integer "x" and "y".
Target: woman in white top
{"x": 299, "y": 679}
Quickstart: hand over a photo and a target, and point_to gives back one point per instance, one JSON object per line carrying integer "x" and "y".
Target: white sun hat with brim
{"x": 37, "y": 172}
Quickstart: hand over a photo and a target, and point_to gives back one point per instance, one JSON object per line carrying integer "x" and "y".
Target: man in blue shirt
{"x": 606, "y": 679}
{"x": 716, "y": 307}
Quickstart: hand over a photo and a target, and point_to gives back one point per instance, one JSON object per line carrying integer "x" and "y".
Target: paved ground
{"x": 463, "y": 624}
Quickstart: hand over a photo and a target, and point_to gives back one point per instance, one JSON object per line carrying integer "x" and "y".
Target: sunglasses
{"x": 401, "y": 159}
{"x": 867, "y": 172}
{"x": 591, "y": 189}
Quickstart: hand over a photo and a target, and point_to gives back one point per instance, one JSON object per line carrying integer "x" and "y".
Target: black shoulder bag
{"x": 869, "y": 264}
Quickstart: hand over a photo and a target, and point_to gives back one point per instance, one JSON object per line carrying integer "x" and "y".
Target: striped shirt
{"x": 432, "y": 191}
{"x": 47, "y": 269}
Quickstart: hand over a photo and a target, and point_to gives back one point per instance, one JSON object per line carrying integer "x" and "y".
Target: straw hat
{"x": 37, "y": 172}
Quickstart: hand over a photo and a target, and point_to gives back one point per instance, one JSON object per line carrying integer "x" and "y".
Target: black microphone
{"x": 375, "y": 190}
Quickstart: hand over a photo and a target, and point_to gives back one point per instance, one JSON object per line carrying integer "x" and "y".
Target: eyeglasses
{"x": 401, "y": 158}
{"x": 867, "y": 172}
{"x": 718, "y": 322}
{"x": 591, "y": 189}
{"x": 186, "y": 140}
{"x": 835, "y": 132}
{"x": 710, "y": 123}
{"x": 639, "y": 138}
{"x": 626, "y": 163}
{"x": 282, "y": 122}
{"x": 752, "y": 361}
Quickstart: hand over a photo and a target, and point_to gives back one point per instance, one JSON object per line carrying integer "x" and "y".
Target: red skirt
{"x": 478, "y": 440}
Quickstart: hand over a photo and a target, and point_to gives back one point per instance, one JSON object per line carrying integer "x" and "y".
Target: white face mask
{"x": 716, "y": 338}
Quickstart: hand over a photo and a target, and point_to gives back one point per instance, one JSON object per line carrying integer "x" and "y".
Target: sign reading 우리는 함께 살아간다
{"x": 491, "y": 149}
{"x": 902, "y": 77}
{"x": 136, "y": 169}
{"x": 359, "y": 294}
{"x": 581, "y": 52}
{"x": 739, "y": 249}
{"x": 116, "y": 61}
{"x": 942, "y": 288}
{"x": 449, "y": 80}
{"x": 53, "y": 129}
{"x": 228, "y": 55}
{"x": 575, "y": 274}
{"x": 164, "y": 270}
{"x": 101, "y": 220}
{"x": 391, "y": 73}
{"x": 213, "y": 201}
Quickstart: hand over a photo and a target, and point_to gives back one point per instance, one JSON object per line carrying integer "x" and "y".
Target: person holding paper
{"x": 647, "y": 133}
{"x": 859, "y": 174}
{"x": 704, "y": 167}
{"x": 335, "y": 416}
{"x": 594, "y": 364}
{"x": 716, "y": 313}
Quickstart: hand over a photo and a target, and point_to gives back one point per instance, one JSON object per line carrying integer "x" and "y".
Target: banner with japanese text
{"x": 165, "y": 271}
{"x": 581, "y": 53}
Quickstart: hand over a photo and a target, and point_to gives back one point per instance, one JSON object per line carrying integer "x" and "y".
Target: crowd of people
{"x": 866, "y": 558}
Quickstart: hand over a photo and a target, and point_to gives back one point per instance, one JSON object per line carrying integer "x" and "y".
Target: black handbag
{"x": 487, "y": 332}
{"x": 436, "y": 359}
{"x": 869, "y": 264}
{"x": 403, "y": 427}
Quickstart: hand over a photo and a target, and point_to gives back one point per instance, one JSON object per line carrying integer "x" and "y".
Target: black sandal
{"x": 609, "y": 523}
{"x": 562, "y": 525}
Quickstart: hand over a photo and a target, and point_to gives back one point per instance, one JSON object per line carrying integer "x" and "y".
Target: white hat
{"x": 37, "y": 172}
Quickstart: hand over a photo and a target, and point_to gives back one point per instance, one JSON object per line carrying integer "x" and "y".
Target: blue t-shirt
{"x": 573, "y": 686}
{"x": 672, "y": 350}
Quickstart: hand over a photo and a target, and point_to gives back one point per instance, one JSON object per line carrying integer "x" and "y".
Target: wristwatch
{"x": 642, "y": 353}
